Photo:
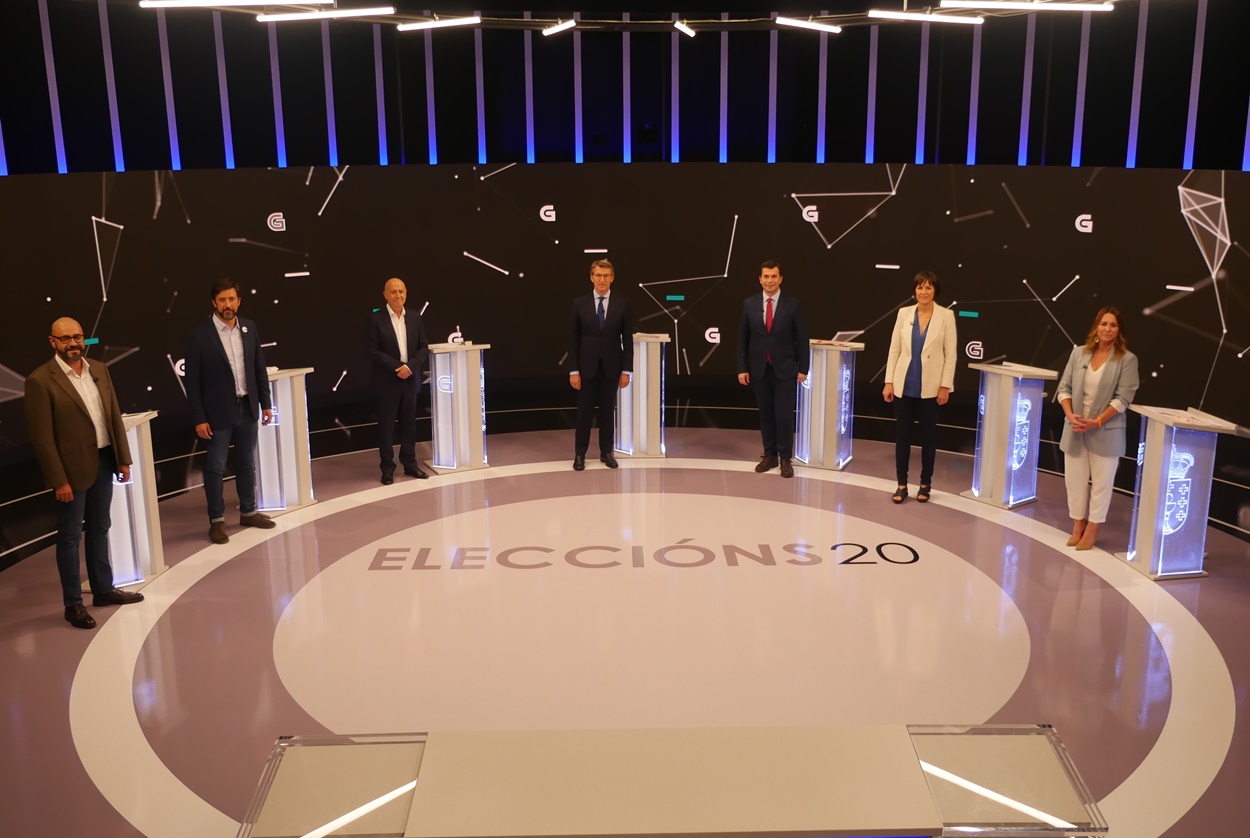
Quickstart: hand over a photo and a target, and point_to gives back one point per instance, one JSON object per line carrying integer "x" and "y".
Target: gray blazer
{"x": 1119, "y": 384}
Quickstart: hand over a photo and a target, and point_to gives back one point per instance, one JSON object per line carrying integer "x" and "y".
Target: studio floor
{"x": 686, "y": 592}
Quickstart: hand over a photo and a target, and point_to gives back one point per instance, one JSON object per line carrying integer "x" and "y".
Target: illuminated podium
{"x": 822, "y": 436}
{"x": 640, "y": 406}
{"x": 1009, "y": 423}
{"x": 1175, "y": 461}
{"x": 135, "y": 547}
{"x": 458, "y": 405}
{"x": 283, "y": 461}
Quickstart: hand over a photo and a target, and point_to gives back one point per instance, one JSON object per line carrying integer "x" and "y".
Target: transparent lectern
{"x": 135, "y": 545}
{"x": 640, "y": 406}
{"x": 1009, "y": 422}
{"x": 458, "y": 405}
{"x": 283, "y": 459}
{"x": 822, "y": 436}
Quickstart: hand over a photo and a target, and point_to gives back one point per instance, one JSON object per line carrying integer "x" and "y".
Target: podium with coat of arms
{"x": 1175, "y": 461}
{"x": 1009, "y": 417}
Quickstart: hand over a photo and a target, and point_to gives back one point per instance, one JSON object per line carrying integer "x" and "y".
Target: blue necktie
{"x": 601, "y": 313}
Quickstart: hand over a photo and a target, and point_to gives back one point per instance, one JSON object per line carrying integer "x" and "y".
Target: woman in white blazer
{"x": 1096, "y": 389}
{"x": 919, "y": 376}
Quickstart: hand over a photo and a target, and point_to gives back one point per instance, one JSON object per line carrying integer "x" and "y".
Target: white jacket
{"x": 937, "y": 361}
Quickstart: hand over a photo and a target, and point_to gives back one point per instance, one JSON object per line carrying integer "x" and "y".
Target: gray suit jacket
{"x": 1119, "y": 382}
{"x": 61, "y": 430}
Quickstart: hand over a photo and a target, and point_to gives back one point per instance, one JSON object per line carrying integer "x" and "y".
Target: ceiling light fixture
{"x": 680, "y": 26}
{"x": 1026, "y": 6}
{"x": 438, "y": 24}
{"x": 376, "y": 11}
{"x": 808, "y": 24}
{"x": 560, "y": 27}
{"x": 222, "y": 4}
{"x": 926, "y": 18}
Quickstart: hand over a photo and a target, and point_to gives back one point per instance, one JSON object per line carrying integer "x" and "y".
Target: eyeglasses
{"x": 67, "y": 339}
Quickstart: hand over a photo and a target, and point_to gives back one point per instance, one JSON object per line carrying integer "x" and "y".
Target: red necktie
{"x": 768, "y": 315}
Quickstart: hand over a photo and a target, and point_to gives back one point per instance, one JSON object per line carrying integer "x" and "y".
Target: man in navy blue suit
{"x": 227, "y": 390}
{"x": 773, "y": 358}
{"x": 601, "y": 355}
{"x": 398, "y": 350}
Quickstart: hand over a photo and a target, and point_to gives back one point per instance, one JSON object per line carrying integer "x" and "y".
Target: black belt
{"x": 240, "y": 399}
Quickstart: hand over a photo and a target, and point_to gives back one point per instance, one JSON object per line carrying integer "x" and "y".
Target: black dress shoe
{"x": 767, "y": 463}
{"x": 579, "y": 462}
{"x": 116, "y": 597}
{"x": 78, "y": 617}
{"x": 787, "y": 467}
{"x": 415, "y": 471}
{"x": 609, "y": 461}
{"x": 387, "y": 478}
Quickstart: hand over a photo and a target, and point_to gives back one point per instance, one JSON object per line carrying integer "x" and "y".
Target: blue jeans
{"x": 92, "y": 505}
{"x": 243, "y": 432}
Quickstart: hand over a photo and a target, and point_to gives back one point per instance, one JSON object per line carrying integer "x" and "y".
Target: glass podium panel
{"x": 1004, "y": 780}
{"x": 1026, "y": 421}
{"x": 336, "y": 785}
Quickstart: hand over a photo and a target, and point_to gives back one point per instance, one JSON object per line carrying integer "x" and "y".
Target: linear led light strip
{"x": 808, "y": 24}
{"x": 221, "y": 4}
{"x": 373, "y": 12}
{"x": 560, "y": 27}
{"x": 1026, "y": 6}
{"x": 438, "y": 24}
{"x": 360, "y": 811}
{"x": 1023, "y": 808}
{"x": 925, "y": 18}
{"x": 680, "y": 26}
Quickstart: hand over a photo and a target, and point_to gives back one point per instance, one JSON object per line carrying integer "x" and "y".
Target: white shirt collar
{"x": 68, "y": 370}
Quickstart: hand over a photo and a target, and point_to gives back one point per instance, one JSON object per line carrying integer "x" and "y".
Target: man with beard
{"x": 227, "y": 388}
{"x": 76, "y": 429}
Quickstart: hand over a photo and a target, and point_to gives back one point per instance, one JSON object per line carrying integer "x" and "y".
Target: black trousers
{"x": 776, "y": 399}
{"x": 597, "y": 388}
{"x": 398, "y": 400}
{"x": 909, "y": 409}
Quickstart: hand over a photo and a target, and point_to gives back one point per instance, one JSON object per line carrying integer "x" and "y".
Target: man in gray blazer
{"x": 76, "y": 429}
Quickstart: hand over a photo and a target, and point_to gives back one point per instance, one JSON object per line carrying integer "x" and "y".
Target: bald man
{"x": 398, "y": 350}
{"x": 76, "y": 429}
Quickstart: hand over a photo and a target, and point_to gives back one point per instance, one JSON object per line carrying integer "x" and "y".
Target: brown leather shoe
{"x": 787, "y": 468}
{"x": 767, "y": 463}
{"x": 116, "y": 597}
{"x": 217, "y": 532}
{"x": 76, "y": 615}
{"x": 256, "y": 519}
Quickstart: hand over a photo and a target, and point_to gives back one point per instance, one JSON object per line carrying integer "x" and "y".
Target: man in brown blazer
{"x": 76, "y": 429}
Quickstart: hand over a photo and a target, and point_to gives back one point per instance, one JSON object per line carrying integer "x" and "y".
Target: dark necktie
{"x": 768, "y": 315}
{"x": 601, "y": 313}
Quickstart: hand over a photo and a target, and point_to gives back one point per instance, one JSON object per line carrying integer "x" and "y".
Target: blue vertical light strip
{"x": 772, "y": 94}
{"x": 1245, "y": 149}
{"x": 822, "y": 93}
{"x": 4, "y": 164}
{"x": 529, "y": 94}
{"x": 110, "y": 87}
{"x": 384, "y": 156}
{"x": 1195, "y": 80}
{"x": 974, "y": 96}
{"x": 627, "y": 134}
{"x": 1078, "y": 123}
{"x": 481, "y": 94}
{"x": 922, "y": 92}
{"x": 227, "y": 135}
{"x": 54, "y": 99}
{"x": 870, "y": 138}
{"x": 724, "y": 93}
{"x": 1134, "y": 114}
{"x": 1026, "y": 94}
{"x": 332, "y": 137}
{"x": 171, "y": 120}
{"x": 275, "y": 79}
{"x": 578, "y": 156}
{"x": 674, "y": 108}
{"x": 431, "y": 129}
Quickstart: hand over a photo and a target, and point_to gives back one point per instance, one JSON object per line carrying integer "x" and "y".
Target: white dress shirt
{"x": 401, "y": 333}
{"x": 90, "y": 394}
{"x": 232, "y": 342}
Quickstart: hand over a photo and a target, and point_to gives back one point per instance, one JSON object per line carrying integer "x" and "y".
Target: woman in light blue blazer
{"x": 1097, "y": 387}
{"x": 919, "y": 376}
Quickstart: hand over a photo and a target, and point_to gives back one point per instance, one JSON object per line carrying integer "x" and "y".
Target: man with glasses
{"x": 76, "y": 429}
{"x": 227, "y": 389}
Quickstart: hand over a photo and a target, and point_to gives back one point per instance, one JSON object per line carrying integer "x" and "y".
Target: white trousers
{"x": 1089, "y": 479}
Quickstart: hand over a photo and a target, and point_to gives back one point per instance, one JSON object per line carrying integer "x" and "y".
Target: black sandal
{"x": 923, "y": 495}
{"x": 899, "y": 495}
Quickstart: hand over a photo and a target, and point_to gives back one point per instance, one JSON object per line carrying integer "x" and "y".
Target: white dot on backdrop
{"x": 1154, "y": 375}
{"x": 253, "y": 290}
{"x": 275, "y": 302}
{"x": 49, "y": 299}
{"x": 521, "y": 276}
{"x": 149, "y": 388}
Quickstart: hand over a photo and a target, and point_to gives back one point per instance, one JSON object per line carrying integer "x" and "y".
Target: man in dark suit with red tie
{"x": 774, "y": 358}
{"x": 397, "y": 352}
{"x": 601, "y": 354}
{"x": 227, "y": 391}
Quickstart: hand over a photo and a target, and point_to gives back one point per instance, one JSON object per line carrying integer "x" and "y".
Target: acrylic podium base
{"x": 1140, "y": 567}
{"x": 967, "y": 493}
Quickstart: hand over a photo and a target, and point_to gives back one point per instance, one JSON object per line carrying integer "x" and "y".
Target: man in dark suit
{"x": 227, "y": 388}
{"x": 397, "y": 352}
{"x": 774, "y": 357}
{"x": 601, "y": 353}
{"x": 79, "y": 439}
